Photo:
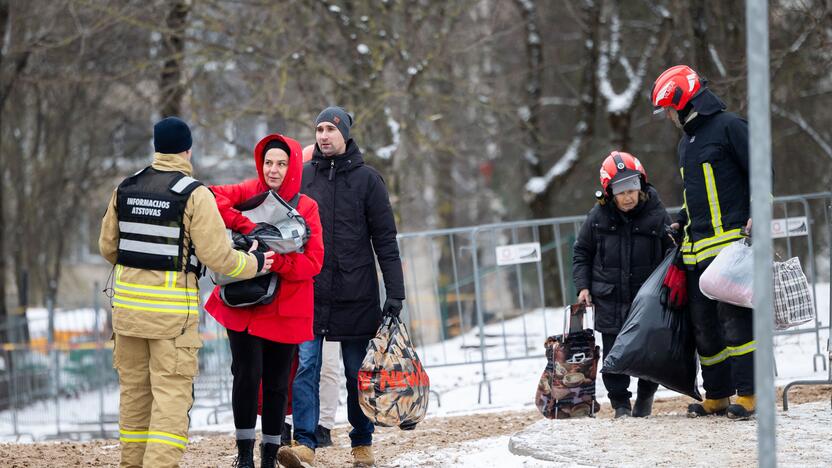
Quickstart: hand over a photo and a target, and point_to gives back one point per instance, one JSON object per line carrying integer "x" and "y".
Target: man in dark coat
{"x": 620, "y": 244}
{"x": 358, "y": 223}
{"x": 713, "y": 158}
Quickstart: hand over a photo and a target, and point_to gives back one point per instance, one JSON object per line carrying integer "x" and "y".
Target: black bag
{"x": 656, "y": 343}
{"x": 255, "y": 291}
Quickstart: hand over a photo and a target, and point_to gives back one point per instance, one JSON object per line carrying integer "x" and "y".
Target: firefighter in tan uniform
{"x": 160, "y": 228}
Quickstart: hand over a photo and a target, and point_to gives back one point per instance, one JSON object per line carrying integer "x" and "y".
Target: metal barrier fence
{"x": 57, "y": 381}
{"x": 465, "y": 308}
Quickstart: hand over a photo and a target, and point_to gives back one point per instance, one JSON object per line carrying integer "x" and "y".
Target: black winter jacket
{"x": 357, "y": 220}
{"x": 713, "y": 156}
{"x": 616, "y": 252}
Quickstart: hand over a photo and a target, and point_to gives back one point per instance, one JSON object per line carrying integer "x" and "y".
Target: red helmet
{"x": 675, "y": 88}
{"x": 619, "y": 165}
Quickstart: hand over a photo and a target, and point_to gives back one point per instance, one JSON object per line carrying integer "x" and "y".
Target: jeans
{"x": 353, "y": 352}
{"x": 305, "y": 388}
{"x": 305, "y": 392}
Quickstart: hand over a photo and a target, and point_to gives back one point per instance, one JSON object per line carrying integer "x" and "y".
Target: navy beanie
{"x": 171, "y": 135}
{"x": 338, "y": 117}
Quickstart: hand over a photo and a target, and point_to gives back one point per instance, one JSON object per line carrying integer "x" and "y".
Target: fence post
{"x": 50, "y": 308}
{"x": 99, "y": 344}
{"x": 480, "y": 320}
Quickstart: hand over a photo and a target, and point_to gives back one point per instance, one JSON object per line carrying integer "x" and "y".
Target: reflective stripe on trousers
{"x": 149, "y": 437}
{"x": 729, "y": 351}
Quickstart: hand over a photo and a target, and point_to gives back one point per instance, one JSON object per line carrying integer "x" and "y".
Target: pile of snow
{"x": 802, "y": 437}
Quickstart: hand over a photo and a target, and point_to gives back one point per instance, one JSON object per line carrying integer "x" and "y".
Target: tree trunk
{"x": 702, "y": 61}
{"x": 173, "y": 50}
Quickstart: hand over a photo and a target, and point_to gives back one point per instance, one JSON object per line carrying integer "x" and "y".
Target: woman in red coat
{"x": 264, "y": 338}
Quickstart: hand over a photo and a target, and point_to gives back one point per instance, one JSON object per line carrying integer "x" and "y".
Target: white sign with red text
{"x": 518, "y": 253}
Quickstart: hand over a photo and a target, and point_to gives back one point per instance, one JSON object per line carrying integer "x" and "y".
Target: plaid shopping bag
{"x": 793, "y": 303}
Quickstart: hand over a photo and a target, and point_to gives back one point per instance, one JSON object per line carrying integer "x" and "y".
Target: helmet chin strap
{"x": 674, "y": 117}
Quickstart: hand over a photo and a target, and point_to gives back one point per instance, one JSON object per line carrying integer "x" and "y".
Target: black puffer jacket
{"x": 616, "y": 252}
{"x": 357, "y": 220}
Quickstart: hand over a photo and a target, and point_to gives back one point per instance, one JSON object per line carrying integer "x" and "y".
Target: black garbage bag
{"x": 656, "y": 343}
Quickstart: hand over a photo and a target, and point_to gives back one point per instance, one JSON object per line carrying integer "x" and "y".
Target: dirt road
{"x": 217, "y": 450}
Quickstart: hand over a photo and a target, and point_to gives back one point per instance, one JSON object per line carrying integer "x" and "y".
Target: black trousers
{"x": 254, "y": 359}
{"x": 618, "y": 385}
{"x": 724, "y": 341}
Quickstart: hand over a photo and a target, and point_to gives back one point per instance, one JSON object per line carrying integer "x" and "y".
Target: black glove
{"x": 392, "y": 308}
{"x": 678, "y": 235}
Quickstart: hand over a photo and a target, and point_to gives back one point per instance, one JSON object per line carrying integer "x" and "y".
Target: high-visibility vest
{"x": 151, "y": 207}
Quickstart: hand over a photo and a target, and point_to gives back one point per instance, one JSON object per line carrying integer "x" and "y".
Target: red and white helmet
{"x": 675, "y": 88}
{"x": 620, "y": 165}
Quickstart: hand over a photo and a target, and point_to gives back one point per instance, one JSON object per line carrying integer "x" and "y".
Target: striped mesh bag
{"x": 792, "y": 298}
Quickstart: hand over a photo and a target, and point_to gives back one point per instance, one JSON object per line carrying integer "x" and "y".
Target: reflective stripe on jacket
{"x": 713, "y": 156}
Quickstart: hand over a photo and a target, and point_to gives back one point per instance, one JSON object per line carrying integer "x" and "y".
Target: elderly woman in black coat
{"x": 620, "y": 244}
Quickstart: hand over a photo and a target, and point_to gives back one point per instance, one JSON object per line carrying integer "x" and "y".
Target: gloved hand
{"x": 244, "y": 242}
{"x": 674, "y": 288}
{"x": 392, "y": 308}
{"x": 676, "y": 233}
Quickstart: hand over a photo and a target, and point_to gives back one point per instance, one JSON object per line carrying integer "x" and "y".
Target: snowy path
{"x": 668, "y": 440}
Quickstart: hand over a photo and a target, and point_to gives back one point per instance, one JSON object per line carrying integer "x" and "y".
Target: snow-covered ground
{"x": 674, "y": 440}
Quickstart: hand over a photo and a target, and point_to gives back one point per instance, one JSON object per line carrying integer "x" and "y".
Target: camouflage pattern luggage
{"x": 393, "y": 387}
{"x": 567, "y": 387}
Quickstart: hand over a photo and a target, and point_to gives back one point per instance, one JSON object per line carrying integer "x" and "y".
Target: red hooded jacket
{"x": 288, "y": 319}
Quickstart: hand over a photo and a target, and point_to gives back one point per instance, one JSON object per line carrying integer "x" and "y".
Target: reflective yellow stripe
{"x": 685, "y": 228}
{"x": 168, "y": 434}
{"x": 749, "y": 347}
{"x": 156, "y": 306}
{"x": 120, "y": 269}
{"x": 715, "y": 359}
{"x": 698, "y": 246}
{"x": 152, "y": 301}
{"x": 158, "y": 288}
{"x": 133, "y": 436}
{"x": 694, "y": 258}
{"x": 167, "y": 439}
{"x": 241, "y": 263}
{"x": 175, "y": 295}
{"x": 166, "y": 442}
{"x": 713, "y": 198}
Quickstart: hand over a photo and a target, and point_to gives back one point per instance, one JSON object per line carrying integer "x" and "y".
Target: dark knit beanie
{"x": 171, "y": 135}
{"x": 338, "y": 117}
{"x": 279, "y": 144}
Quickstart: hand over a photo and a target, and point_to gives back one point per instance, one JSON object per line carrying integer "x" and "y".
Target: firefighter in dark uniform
{"x": 161, "y": 226}
{"x": 713, "y": 159}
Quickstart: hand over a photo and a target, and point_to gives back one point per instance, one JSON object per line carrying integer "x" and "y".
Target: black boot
{"x": 245, "y": 454}
{"x": 286, "y": 435}
{"x": 621, "y": 407}
{"x": 268, "y": 455}
{"x": 643, "y": 407}
{"x": 324, "y": 437}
